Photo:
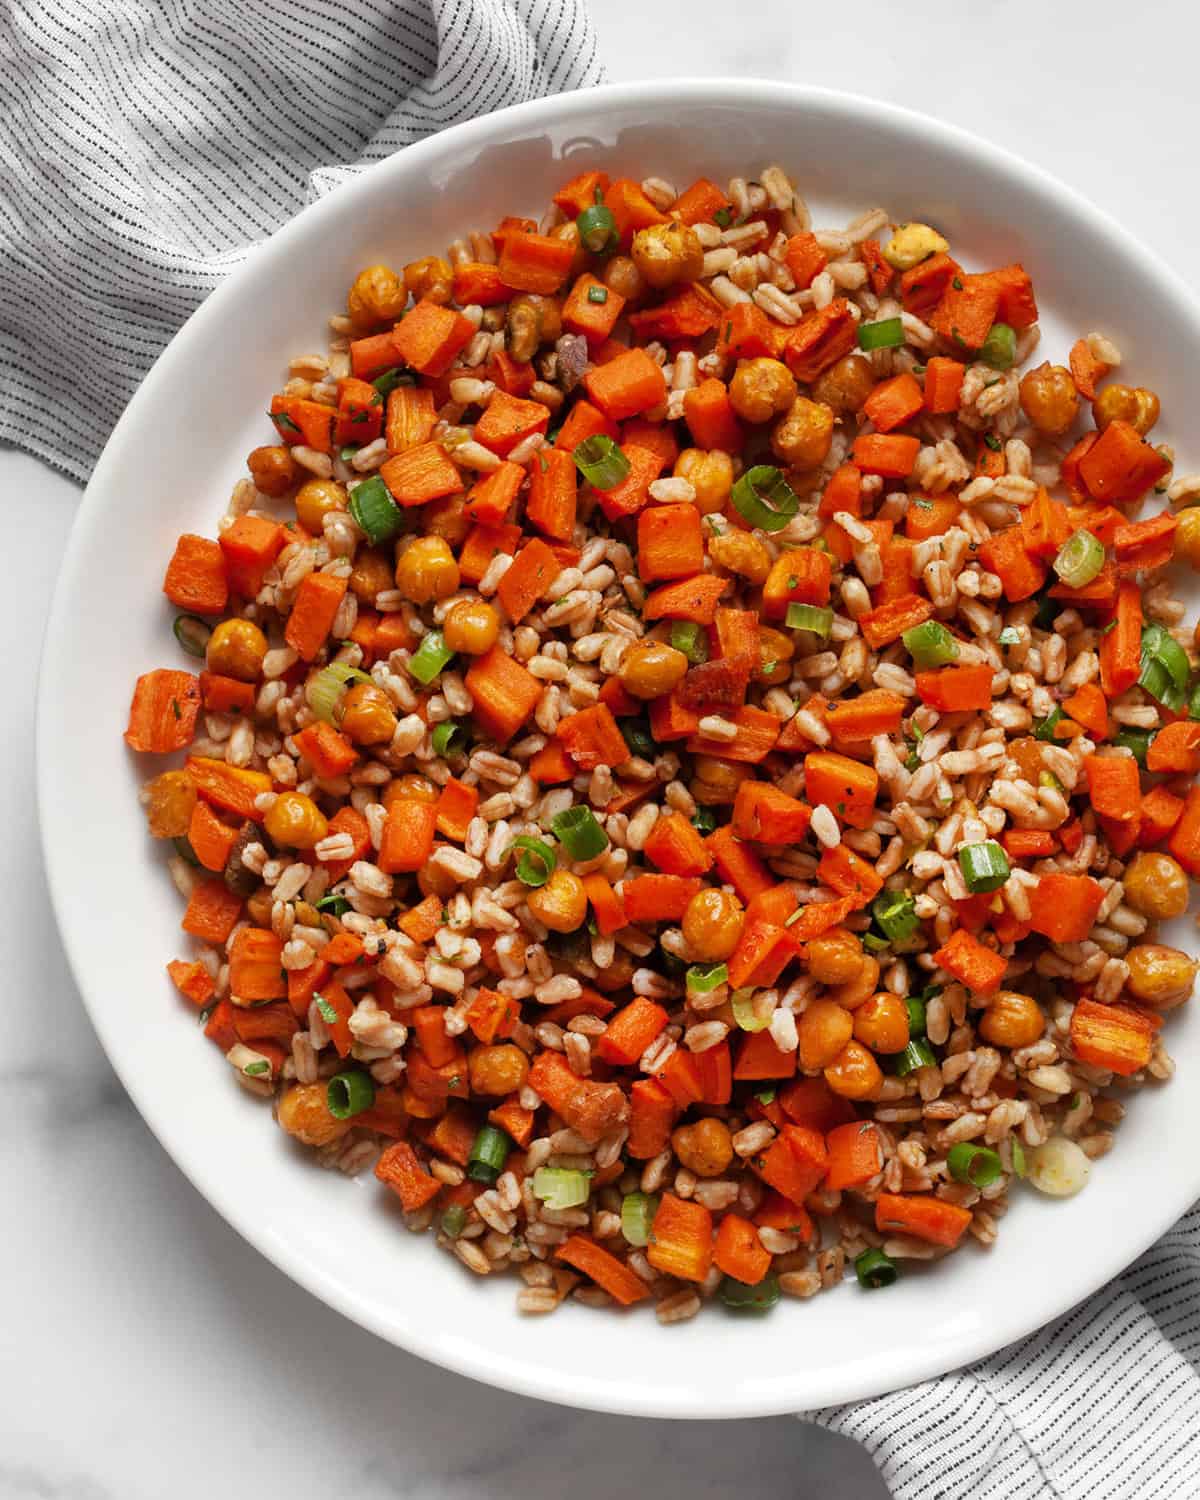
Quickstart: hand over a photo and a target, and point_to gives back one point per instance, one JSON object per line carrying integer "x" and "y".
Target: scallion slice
{"x": 918, "y": 1054}
{"x": 1043, "y": 729}
{"x": 977, "y": 1165}
{"x": 386, "y": 383}
{"x": 430, "y": 658}
{"x": 448, "y": 738}
{"x": 742, "y": 1005}
{"x": 888, "y": 333}
{"x": 561, "y": 1187}
{"x": 915, "y": 1006}
{"x": 1137, "y": 740}
{"x": 324, "y": 688}
{"x": 1164, "y": 667}
{"x": 1018, "y": 1157}
{"x": 1000, "y": 347}
{"x": 578, "y": 832}
{"x": 702, "y": 979}
{"x": 896, "y": 914}
{"x": 874, "y": 1269}
{"x": 597, "y": 229}
{"x": 637, "y": 1215}
{"x": 597, "y": 294}
{"x": 1079, "y": 559}
{"x": 454, "y": 1221}
{"x": 691, "y": 639}
{"x": 636, "y": 734}
{"x": 739, "y": 1297}
{"x": 374, "y": 510}
{"x": 336, "y": 906}
{"x": 984, "y": 866}
{"x": 347, "y": 452}
{"x": 348, "y": 1094}
{"x": 814, "y": 617}
{"x": 763, "y": 497}
{"x": 488, "y": 1155}
{"x": 874, "y": 942}
{"x": 537, "y": 861}
{"x": 600, "y": 462}
{"x": 705, "y": 821}
{"x": 930, "y": 645}
{"x": 192, "y": 633}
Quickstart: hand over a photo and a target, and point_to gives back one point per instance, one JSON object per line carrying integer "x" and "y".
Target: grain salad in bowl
{"x": 693, "y": 746}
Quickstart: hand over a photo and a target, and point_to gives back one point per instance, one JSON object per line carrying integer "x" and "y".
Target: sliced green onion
{"x": 336, "y": 906}
{"x": 702, "y": 979}
{"x": 183, "y": 847}
{"x": 705, "y": 820}
{"x": 767, "y": 1096}
{"x": 449, "y": 738}
{"x": 723, "y": 217}
{"x": 1137, "y": 740}
{"x": 1048, "y": 778}
{"x": 1009, "y": 636}
{"x": 600, "y": 462}
{"x": 347, "y": 452}
{"x": 488, "y": 1155}
{"x": 1018, "y": 1157}
{"x": 192, "y": 633}
{"x": 537, "y": 862}
{"x": 992, "y": 442}
{"x": 888, "y": 333}
{"x": 597, "y": 229}
{"x": 637, "y": 1215}
{"x": 918, "y": 1054}
{"x": 874, "y": 942}
{"x": 561, "y": 1187}
{"x": 454, "y": 1221}
{"x": 636, "y": 734}
{"x": 374, "y": 510}
{"x": 763, "y": 497}
{"x": 812, "y": 617}
{"x": 1043, "y": 729}
{"x": 348, "y": 1094}
{"x": 386, "y": 383}
{"x": 430, "y": 658}
{"x": 1194, "y": 703}
{"x": 597, "y": 294}
{"x": 1164, "y": 667}
{"x": 1079, "y": 559}
{"x": 896, "y": 914}
{"x": 984, "y": 866}
{"x": 930, "y": 645}
{"x": 874, "y": 1269}
{"x": 323, "y": 690}
{"x": 977, "y": 1165}
{"x": 739, "y": 1297}
{"x": 254, "y": 1069}
{"x": 691, "y": 639}
{"x": 1000, "y": 347}
{"x": 742, "y": 1005}
{"x": 578, "y": 832}
{"x": 915, "y": 1006}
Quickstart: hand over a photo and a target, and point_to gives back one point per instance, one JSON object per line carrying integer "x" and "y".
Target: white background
{"x": 145, "y": 1348}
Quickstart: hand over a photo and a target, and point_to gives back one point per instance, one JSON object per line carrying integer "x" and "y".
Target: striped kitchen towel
{"x": 146, "y": 149}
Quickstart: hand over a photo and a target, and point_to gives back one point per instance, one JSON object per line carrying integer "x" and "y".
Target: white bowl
{"x": 168, "y": 468}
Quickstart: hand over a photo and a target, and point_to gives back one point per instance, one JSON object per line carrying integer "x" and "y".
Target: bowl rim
{"x": 510, "y": 1370}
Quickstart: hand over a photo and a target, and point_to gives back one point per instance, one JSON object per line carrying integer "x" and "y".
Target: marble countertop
{"x": 145, "y": 1346}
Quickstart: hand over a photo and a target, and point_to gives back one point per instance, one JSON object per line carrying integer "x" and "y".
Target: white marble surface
{"x": 145, "y": 1349}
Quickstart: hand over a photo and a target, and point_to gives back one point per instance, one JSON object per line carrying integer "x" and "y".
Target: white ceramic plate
{"x": 168, "y": 468}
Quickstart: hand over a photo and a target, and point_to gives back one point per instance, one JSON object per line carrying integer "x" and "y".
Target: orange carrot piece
{"x": 163, "y": 711}
{"x": 1117, "y": 1037}
{"x": 429, "y": 338}
{"x": 880, "y": 627}
{"x": 298, "y": 420}
{"x": 967, "y": 311}
{"x": 925, "y": 518}
{"x": 817, "y": 919}
{"x": 1088, "y": 706}
{"x": 700, "y": 203}
{"x": 1121, "y": 647}
{"x": 1020, "y": 573}
{"x": 1121, "y": 466}
{"x": 757, "y": 732}
{"x": 799, "y": 576}
{"x": 228, "y": 787}
{"x": 675, "y": 847}
{"x": 652, "y": 1113}
{"x": 812, "y": 1103}
{"x": 455, "y": 807}
{"x": 551, "y": 502}
{"x": 1028, "y": 843}
{"x": 349, "y": 820}
{"x": 658, "y": 898}
{"x": 1017, "y": 305}
{"x": 505, "y": 693}
{"x": 592, "y": 309}
{"x": 212, "y": 911}
{"x": 925, "y": 1217}
{"x": 627, "y": 385}
{"x": 849, "y": 875}
{"x": 491, "y": 498}
{"x": 255, "y": 971}
{"x": 313, "y": 613}
{"x": 593, "y": 738}
{"x": 763, "y": 952}
{"x": 955, "y": 690}
{"x": 590, "y": 1107}
{"x": 211, "y": 840}
{"x": 402, "y": 1170}
{"x": 422, "y": 921}
{"x": 738, "y": 1251}
{"x": 820, "y": 339}
{"x": 895, "y": 402}
{"x": 479, "y": 282}
{"x": 484, "y": 543}
{"x": 411, "y": 417}
{"x": 855, "y": 1155}
{"x": 1086, "y": 369}
{"x": 843, "y": 491}
{"x": 922, "y": 287}
{"x": 1063, "y": 907}
{"x": 371, "y": 356}
{"x": 747, "y": 333}
{"x": 631, "y": 1031}
{"x": 584, "y": 421}
{"x": 407, "y": 836}
{"x": 1184, "y": 842}
{"x": 580, "y": 193}
{"x": 669, "y": 542}
{"x": 794, "y": 1163}
{"x": 1114, "y": 787}
{"x": 225, "y": 695}
{"x": 764, "y": 814}
{"x": 671, "y": 718}
{"x": 420, "y": 474}
{"x": 601, "y": 1266}
{"x": 711, "y": 418}
{"x": 328, "y": 752}
{"x": 517, "y": 1121}
{"x": 688, "y": 313}
{"x": 688, "y": 599}
{"x": 533, "y": 570}
{"x": 193, "y": 981}
{"x": 195, "y": 578}
{"x": 630, "y": 207}
{"x": 632, "y": 494}
{"x": 739, "y": 865}
{"x": 847, "y": 786}
{"x": 535, "y": 263}
{"x": 605, "y": 903}
{"x": 855, "y": 721}
{"x": 943, "y": 385}
{"x": 979, "y": 968}
{"x": 507, "y": 421}
{"x": 878, "y": 270}
{"x": 359, "y": 412}
{"x": 1044, "y": 526}
{"x": 890, "y": 454}
{"x": 1175, "y": 749}
{"x": 681, "y": 1241}
{"x": 804, "y": 258}
{"x": 551, "y": 764}
{"x": 1145, "y": 545}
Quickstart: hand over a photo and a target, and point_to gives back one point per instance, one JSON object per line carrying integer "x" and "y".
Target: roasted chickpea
{"x": 852, "y": 993}
{"x": 426, "y": 570}
{"x": 314, "y": 501}
{"x": 447, "y": 518}
{"x": 824, "y": 1029}
{"x": 304, "y": 1112}
{"x": 804, "y": 436}
{"x": 170, "y": 802}
{"x": 854, "y": 1073}
{"x": 273, "y": 469}
{"x": 471, "y": 626}
{"x": 259, "y": 905}
{"x": 1126, "y": 403}
{"x": 410, "y": 788}
{"x": 775, "y": 652}
{"x": 295, "y": 821}
{"x": 1012, "y": 1020}
{"x": 652, "y": 668}
{"x": 496, "y": 1071}
{"x": 761, "y": 389}
{"x": 836, "y": 957}
{"x": 623, "y": 276}
{"x": 1187, "y": 540}
{"x": 372, "y": 575}
{"x": 710, "y": 475}
{"x": 367, "y": 715}
{"x": 236, "y": 649}
{"x": 1156, "y": 886}
{"x": 666, "y": 254}
{"x": 882, "y": 1023}
{"x": 846, "y": 385}
{"x": 429, "y": 279}
{"x": 715, "y": 780}
{"x": 910, "y": 244}
{"x": 377, "y": 297}
{"x": 560, "y": 904}
{"x": 742, "y": 553}
{"x": 705, "y": 1148}
{"x": 1159, "y": 975}
{"x": 712, "y": 924}
{"x": 1049, "y": 398}
{"x": 531, "y": 321}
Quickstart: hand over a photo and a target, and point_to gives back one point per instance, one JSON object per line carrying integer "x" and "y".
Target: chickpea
{"x": 846, "y": 385}
{"x": 372, "y": 575}
{"x": 314, "y": 501}
{"x": 259, "y": 906}
{"x": 705, "y": 1148}
{"x": 273, "y": 469}
{"x": 1049, "y": 398}
{"x": 623, "y": 276}
{"x": 471, "y": 626}
{"x": 377, "y": 297}
{"x": 1156, "y": 886}
{"x": 652, "y": 668}
{"x": 854, "y": 1073}
{"x": 1012, "y": 1020}
{"x": 775, "y": 652}
{"x": 761, "y": 389}
{"x": 712, "y": 924}
{"x": 716, "y": 781}
{"x": 410, "y": 788}
{"x": 910, "y": 244}
{"x": 170, "y": 802}
{"x": 429, "y": 279}
{"x": 805, "y": 435}
{"x": 710, "y": 475}
{"x": 532, "y": 320}
{"x": 304, "y": 1113}
{"x": 824, "y": 1029}
{"x": 367, "y": 715}
{"x": 1187, "y": 540}
{"x": 295, "y": 821}
{"x": 560, "y": 904}
{"x": 853, "y": 992}
{"x": 1159, "y": 975}
{"x": 1126, "y": 403}
{"x": 236, "y": 649}
{"x": 882, "y": 1023}
{"x": 668, "y": 253}
{"x": 497, "y": 1071}
{"x": 836, "y": 957}
{"x": 447, "y": 518}
{"x": 742, "y": 553}
{"x": 426, "y": 570}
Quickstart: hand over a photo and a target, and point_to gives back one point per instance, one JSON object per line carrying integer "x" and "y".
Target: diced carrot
{"x": 1114, "y": 787}
{"x": 533, "y": 570}
{"x": 371, "y": 356}
{"x": 359, "y": 412}
{"x": 895, "y": 402}
{"x": 765, "y": 814}
{"x": 1044, "y": 526}
{"x": 922, "y": 287}
{"x": 738, "y": 1251}
{"x": 212, "y": 911}
{"x": 700, "y": 203}
{"x": 401, "y": 1169}
{"x": 491, "y": 498}
{"x": 420, "y": 474}
{"x": 925, "y": 1217}
{"x": 606, "y": 905}
{"x": 671, "y": 718}
{"x": 584, "y": 421}
{"x": 777, "y": 1212}
{"x": 298, "y": 420}
{"x": 804, "y": 258}
{"x": 632, "y": 494}
{"x": 593, "y": 738}
{"x": 1028, "y": 843}
{"x": 757, "y": 732}
{"x": 956, "y": 690}
{"x": 659, "y": 437}
{"x": 979, "y": 968}
{"x": 763, "y": 952}
{"x": 892, "y": 455}
{"x": 738, "y": 864}
{"x": 794, "y": 1163}
{"x": 407, "y": 836}
{"x": 1017, "y": 305}
{"x": 211, "y": 840}
{"x": 843, "y": 491}
{"x": 343, "y": 949}
{"x": 1175, "y": 749}
{"x": 711, "y": 418}
{"x": 1063, "y": 907}
{"x": 1145, "y": 545}
{"x": 627, "y": 385}
{"x": 429, "y": 338}
{"x": 1087, "y": 706}
{"x": 163, "y": 711}
{"x": 507, "y": 421}
{"x": 1161, "y": 810}
{"x": 586, "y": 1105}
{"x": 1086, "y": 369}
{"x": 799, "y": 576}
{"x": 1121, "y": 647}
{"x": 509, "y": 374}
{"x": 747, "y": 333}
{"x": 551, "y": 764}
{"x": 817, "y": 919}
{"x": 328, "y": 752}
{"x": 581, "y": 192}
{"x": 880, "y": 627}
{"x": 1020, "y": 573}
{"x": 1121, "y": 466}
{"x": 657, "y": 898}
{"x": 681, "y": 1241}
{"x": 225, "y": 695}
{"x": 551, "y": 502}
{"x": 479, "y": 282}
{"x": 715, "y": 1066}
{"x": 688, "y": 599}
{"x": 411, "y": 417}
{"x": 1100, "y": 594}
{"x": 943, "y": 385}
{"x": 195, "y": 578}
{"x": 967, "y": 311}
{"x": 255, "y": 970}
{"x": 348, "y": 820}
{"x": 630, "y": 207}
{"x": 455, "y": 807}
{"x": 820, "y": 339}
{"x": 855, "y": 721}
{"x": 505, "y": 693}
{"x": 515, "y": 1119}
{"x": 849, "y": 874}
{"x": 687, "y": 314}
{"x": 193, "y": 981}
{"x": 630, "y": 1032}
{"x": 675, "y": 847}
{"x": 812, "y": 1103}
{"x": 652, "y": 1113}
{"x": 1117, "y": 1037}
{"x": 847, "y": 786}
{"x": 483, "y": 544}
{"x": 601, "y": 1266}
{"x": 669, "y": 542}
{"x": 267, "y": 1028}
{"x": 1184, "y": 842}
{"x": 855, "y": 1155}
{"x": 313, "y": 612}
{"x": 228, "y": 787}
{"x": 879, "y": 272}
{"x": 422, "y": 921}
